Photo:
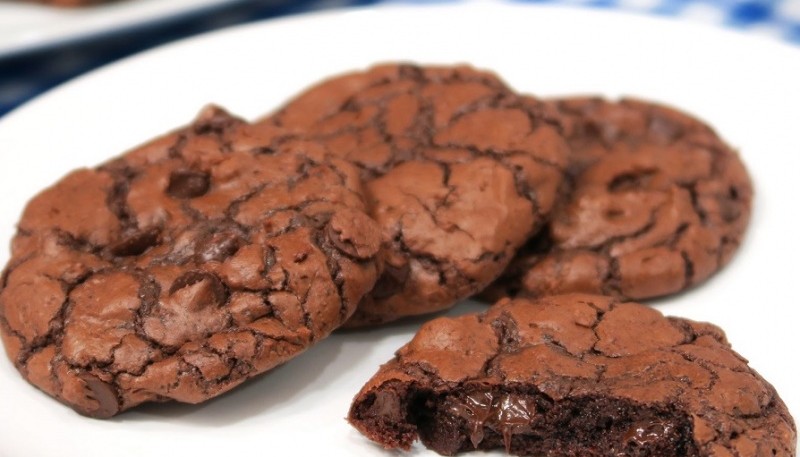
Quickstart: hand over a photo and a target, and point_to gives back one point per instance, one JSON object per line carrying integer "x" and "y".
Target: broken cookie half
{"x": 573, "y": 375}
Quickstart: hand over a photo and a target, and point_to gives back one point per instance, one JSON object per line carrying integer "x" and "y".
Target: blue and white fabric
{"x": 23, "y": 76}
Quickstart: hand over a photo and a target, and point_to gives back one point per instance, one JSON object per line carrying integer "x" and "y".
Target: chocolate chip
{"x": 729, "y": 210}
{"x": 188, "y": 183}
{"x": 104, "y": 394}
{"x": 219, "y": 246}
{"x": 215, "y": 287}
{"x": 631, "y": 181}
{"x": 135, "y": 243}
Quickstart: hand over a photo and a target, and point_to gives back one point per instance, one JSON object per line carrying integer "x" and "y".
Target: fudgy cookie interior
{"x": 524, "y": 421}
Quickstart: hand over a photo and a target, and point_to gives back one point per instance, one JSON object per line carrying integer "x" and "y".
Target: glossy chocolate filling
{"x": 529, "y": 423}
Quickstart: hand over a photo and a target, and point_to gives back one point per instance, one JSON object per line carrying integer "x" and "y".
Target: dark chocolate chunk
{"x": 188, "y": 183}
{"x": 105, "y": 396}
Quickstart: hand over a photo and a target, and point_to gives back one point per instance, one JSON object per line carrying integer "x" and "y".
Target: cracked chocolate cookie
{"x": 581, "y": 375}
{"x": 459, "y": 170}
{"x": 658, "y": 204}
{"x": 184, "y": 267}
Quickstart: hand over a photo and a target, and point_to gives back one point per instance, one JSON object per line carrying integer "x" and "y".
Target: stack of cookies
{"x": 225, "y": 248}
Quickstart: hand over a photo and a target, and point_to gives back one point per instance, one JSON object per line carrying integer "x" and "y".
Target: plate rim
{"x": 37, "y": 104}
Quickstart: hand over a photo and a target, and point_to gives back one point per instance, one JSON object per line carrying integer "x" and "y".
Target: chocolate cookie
{"x": 580, "y": 375}
{"x": 460, "y": 171}
{"x": 184, "y": 267}
{"x": 658, "y": 204}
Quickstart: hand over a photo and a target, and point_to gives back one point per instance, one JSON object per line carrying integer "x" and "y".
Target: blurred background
{"x": 46, "y": 42}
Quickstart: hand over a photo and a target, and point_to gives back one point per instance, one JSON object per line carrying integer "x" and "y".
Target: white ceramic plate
{"x": 746, "y": 87}
{"x": 24, "y": 26}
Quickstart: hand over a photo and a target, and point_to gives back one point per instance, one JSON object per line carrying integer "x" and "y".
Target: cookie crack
{"x": 149, "y": 292}
{"x": 593, "y": 327}
{"x": 332, "y": 256}
{"x": 688, "y": 269}
{"x": 57, "y": 324}
{"x": 492, "y": 100}
{"x": 116, "y": 198}
{"x": 422, "y": 257}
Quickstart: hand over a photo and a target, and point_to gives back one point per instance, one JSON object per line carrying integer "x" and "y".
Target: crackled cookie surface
{"x": 459, "y": 170}
{"x": 184, "y": 267}
{"x": 581, "y": 375}
{"x": 658, "y": 204}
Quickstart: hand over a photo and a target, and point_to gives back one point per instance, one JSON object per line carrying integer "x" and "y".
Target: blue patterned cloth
{"x": 23, "y": 76}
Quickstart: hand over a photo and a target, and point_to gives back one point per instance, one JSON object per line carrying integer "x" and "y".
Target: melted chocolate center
{"x": 505, "y": 413}
{"x": 530, "y": 423}
{"x": 648, "y": 432}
